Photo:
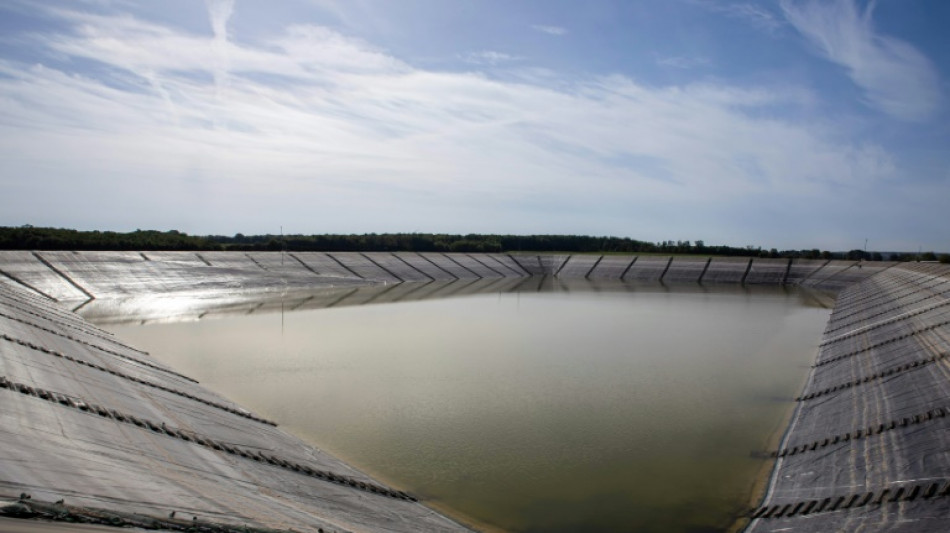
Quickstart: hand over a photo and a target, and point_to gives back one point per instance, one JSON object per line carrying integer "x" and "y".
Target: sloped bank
{"x": 868, "y": 447}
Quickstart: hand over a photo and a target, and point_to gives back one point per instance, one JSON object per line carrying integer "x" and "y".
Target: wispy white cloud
{"x": 219, "y": 11}
{"x": 751, "y": 13}
{"x": 323, "y": 125}
{"x": 490, "y": 57}
{"x": 896, "y": 78}
{"x": 754, "y": 14}
{"x": 550, "y": 30}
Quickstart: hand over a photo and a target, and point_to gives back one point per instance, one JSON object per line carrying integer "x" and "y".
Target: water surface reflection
{"x": 554, "y": 407}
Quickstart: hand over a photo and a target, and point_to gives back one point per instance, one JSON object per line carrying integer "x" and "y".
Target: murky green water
{"x": 549, "y": 411}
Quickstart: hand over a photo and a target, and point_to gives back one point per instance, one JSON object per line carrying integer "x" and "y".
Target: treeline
{"x": 30, "y": 238}
{"x": 428, "y": 242}
{"x": 440, "y": 242}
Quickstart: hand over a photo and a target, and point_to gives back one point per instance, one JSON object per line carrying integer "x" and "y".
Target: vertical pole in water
{"x": 281, "y": 246}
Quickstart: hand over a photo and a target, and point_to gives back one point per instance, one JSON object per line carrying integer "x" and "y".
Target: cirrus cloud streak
{"x": 895, "y": 77}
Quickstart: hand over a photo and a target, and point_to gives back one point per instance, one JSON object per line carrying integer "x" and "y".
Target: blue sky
{"x": 787, "y": 123}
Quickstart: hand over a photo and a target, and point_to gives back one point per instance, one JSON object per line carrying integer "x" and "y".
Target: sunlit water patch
{"x": 551, "y": 411}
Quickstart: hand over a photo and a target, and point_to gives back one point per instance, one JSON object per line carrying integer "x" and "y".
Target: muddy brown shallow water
{"x": 611, "y": 410}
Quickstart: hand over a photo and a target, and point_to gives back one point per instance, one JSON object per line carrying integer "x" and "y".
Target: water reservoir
{"x": 598, "y": 408}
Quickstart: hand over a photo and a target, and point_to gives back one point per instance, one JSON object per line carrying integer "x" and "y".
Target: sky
{"x": 787, "y": 123}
